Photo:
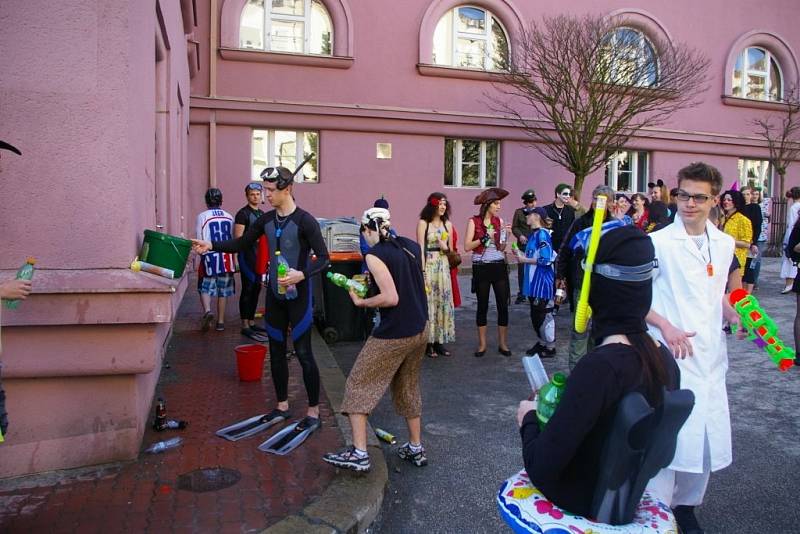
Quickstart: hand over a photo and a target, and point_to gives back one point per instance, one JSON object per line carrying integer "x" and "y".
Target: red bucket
{"x": 250, "y": 362}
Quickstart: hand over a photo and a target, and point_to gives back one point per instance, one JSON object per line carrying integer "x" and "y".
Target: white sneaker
{"x": 786, "y": 289}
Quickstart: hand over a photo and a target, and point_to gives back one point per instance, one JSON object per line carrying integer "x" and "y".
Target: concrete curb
{"x": 352, "y": 501}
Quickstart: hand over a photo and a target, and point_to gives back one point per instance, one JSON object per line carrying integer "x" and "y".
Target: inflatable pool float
{"x": 526, "y": 510}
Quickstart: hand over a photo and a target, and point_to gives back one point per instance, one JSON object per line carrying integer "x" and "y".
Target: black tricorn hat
{"x": 8, "y": 146}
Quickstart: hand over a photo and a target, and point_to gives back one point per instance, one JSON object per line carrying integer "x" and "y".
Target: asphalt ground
{"x": 471, "y": 437}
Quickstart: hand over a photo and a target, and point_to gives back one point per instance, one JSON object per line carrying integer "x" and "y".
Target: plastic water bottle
{"x": 283, "y": 270}
{"x": 347, "y": 283}
{"x": 549, "y": 397}
{"x": 534, "y": 370}
{"x": 161, "y": 446}
{"x": 24, "y": 273}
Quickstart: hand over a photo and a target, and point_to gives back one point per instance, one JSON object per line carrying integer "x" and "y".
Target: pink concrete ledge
{"x": 285, "y": 58}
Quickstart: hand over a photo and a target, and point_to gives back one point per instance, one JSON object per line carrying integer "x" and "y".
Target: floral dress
{"x": 441, "y": 318}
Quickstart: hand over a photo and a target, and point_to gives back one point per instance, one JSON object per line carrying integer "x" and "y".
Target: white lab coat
{"x": 691, "y": 300}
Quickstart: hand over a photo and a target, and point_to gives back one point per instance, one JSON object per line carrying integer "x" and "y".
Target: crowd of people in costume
{"x": 665, "y": 263}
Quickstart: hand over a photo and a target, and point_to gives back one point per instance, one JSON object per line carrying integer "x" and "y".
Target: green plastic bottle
{"x": 283, "y": 270}
{"x": 24, "y": 273}
{"x": 549, "y": 397}
{"x": 347, "y": 283}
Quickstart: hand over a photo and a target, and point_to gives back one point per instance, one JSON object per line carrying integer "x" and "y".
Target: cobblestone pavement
{"x": 201, "y": 386}
{"x": 470, "y": 432}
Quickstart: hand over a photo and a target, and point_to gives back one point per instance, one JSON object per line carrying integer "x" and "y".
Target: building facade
{"x": 96, "y": 96}
{"x": 394, "y": 101}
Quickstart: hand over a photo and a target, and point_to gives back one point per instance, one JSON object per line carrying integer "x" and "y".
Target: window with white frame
{"x": 757, "y": 75}
{"x": 632, "y": 59}
{"x": 756, "y": 173}
{"x": 285, "y": 148}
{"x": 472, "y": 38}
{"x": 471, "y": 162}
{"x": 626, "y": 171}
{"x": 298, "y": 26}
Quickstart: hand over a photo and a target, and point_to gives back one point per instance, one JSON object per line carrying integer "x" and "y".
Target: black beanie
{"x": 620, "y": 307}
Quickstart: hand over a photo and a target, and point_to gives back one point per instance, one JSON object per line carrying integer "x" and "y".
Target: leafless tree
{"x": 782, "y": 134}
{"x": 580, "y": 87}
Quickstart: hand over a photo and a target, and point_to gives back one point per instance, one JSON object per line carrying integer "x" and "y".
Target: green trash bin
{"x": 164, "y": 250}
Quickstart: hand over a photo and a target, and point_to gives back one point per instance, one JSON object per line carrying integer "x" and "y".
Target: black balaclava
{"x": 619, "y": 307}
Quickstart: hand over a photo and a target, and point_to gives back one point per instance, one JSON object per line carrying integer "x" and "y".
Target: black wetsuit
{"x": 563, "y": 460}
{"x": 295, "y": 235}
{"x": 251, "y": 283}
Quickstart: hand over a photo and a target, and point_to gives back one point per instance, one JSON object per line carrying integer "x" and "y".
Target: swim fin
{"x": 290, "y": 437}
{"x": 253, "y": 425}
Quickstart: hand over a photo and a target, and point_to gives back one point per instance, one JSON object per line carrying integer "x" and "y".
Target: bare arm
{"x": 238, "y": 230}
{"x": 469, "y": 244}
{"x": 421, "y": 240}
{"x": 383, "y": 278}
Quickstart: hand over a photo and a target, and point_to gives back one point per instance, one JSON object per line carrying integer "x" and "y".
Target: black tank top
{"x": 408, "y": 318}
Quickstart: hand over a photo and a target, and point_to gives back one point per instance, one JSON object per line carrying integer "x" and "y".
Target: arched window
{"x": 630, "y": 59}
{"x": 757, "y": 75}
{"x": 470, "y": 37}
{"x": 298, "y": 26}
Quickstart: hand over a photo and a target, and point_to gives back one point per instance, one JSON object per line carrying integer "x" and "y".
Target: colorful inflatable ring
{"x": 526, "y": 510}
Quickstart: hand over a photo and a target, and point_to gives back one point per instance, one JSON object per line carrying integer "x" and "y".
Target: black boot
{"x": 687, "y": 522}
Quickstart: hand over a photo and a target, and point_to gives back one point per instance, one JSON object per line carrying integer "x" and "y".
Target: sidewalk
{"x": 199, "y": 384}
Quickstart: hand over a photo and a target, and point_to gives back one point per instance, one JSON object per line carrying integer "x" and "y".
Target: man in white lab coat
{"x": 687, "y": 313}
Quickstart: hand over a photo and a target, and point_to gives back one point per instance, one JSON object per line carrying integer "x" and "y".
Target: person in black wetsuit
{"x": 563, "y": 459}
{"x": 251, "y": 281}
{"x": 295, "y": 233}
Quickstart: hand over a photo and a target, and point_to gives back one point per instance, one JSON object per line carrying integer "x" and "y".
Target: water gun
{"x": 583, "y": 312}
{"x": 761, "y": 329}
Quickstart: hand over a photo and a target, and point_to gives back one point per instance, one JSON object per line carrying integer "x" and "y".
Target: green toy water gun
{"x": 583, "y": 312}
{"x": 761, "y": 329}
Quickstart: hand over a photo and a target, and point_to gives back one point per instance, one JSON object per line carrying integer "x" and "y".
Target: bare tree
{"x": 580, "y": 87}
{"x": 783, "y": 140}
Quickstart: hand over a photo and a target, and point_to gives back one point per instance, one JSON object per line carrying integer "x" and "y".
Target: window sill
{"x": 286, "y": 58}
{"x": 456, "y": 72}
{"x": 750, "y": 103}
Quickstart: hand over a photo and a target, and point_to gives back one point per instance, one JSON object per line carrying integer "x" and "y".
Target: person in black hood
{"x": 563, "y": 459}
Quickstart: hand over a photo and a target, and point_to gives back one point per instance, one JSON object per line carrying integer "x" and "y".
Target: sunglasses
{"x": 683, "y": 196}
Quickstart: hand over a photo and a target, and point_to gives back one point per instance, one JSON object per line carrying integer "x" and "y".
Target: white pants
{"x": 679, "y": 488}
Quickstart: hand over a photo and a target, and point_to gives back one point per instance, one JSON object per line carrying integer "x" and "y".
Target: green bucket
{"x": 164, "y": 250}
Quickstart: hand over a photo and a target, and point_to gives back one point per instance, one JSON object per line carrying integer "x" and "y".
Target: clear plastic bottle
{"x": 283, "y": 270}
{"x": 347, "y": 283}
{"x": 161, "y": 446}
{"x": 24, "y": 273}
{"x": 549, "y": 397}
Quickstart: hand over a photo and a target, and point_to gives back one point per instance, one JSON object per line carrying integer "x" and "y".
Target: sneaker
{"x": 536, "y": 349}
{"x": 417, "y": 458}
{"x": 520, "y": 299}
{"x": 220, "y": 327}
{"x": 205, "y": 322}
{"x": 255, "y": 336}
{"x": 547, "y": 353}
{"x": 347, "y": 458}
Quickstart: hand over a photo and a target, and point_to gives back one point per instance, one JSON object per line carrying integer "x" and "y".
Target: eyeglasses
{"x": 254, "y": 187}
{"x": 683, "y": 196}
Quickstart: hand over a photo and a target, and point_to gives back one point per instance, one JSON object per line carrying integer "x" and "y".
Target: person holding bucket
{"x": 392, "y": 356}
{"x": 292, "y": 233}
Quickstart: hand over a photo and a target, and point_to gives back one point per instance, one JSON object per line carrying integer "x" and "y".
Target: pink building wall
{"x": 83, "y": 97}
{"x": 383, "y": 97}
